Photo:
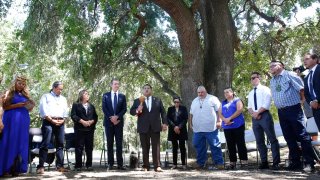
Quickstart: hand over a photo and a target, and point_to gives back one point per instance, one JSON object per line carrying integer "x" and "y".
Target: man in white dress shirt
{"x": 259, "y": 101}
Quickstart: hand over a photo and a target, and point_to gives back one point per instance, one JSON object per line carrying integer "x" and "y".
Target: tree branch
{"x": 243, "y": 9}
{"x": 275, "y": 4}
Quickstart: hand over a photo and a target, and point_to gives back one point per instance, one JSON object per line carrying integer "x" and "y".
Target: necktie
{"x": 311, "y": 85}
{"x": 115, "y": 102}
{"x": 255, "y": 99}
{"x": 148, "y": 104}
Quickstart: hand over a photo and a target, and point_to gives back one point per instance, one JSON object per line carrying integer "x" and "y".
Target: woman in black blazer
{"x": 85, "y": 118}
{"x": 177, "y": 117}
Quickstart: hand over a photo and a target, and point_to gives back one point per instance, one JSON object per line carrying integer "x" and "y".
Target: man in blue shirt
{"x": 287, "y": 92}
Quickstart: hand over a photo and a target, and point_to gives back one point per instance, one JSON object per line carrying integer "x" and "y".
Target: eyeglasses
{"x": 253, "y": 78}
{"x": 176, "y": 102}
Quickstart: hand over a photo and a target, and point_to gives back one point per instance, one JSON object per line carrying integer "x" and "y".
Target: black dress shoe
{"x": 264, "y": 165}
{"x": 110, "y": 167}
{"x": 294, "y": 167}
{"x": 275, "y": 167}
{"x": 122, "y": 168}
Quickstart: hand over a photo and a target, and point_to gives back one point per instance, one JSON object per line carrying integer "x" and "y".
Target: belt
{"x": 288, "y": 107}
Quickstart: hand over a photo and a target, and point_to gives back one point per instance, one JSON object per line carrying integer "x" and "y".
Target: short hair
{"x": 277, "y": 61}
{"x": 114, "y": 79}
{"x": 201, "y": 87}
{"x": 314, "y": 56}
{"x": 147, "y": 85}
{"x": 257, "y": 73}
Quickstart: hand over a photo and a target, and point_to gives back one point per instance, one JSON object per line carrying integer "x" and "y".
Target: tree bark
{"x": 220, "y": 39}
{"x": 192, "y": 69}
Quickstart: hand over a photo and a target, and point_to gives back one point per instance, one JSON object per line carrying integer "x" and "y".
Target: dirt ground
{"x": 100, "y": 172}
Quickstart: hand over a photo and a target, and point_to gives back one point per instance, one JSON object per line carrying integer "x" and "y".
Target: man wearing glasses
{"x": 288, "y": 93}
{"x": 259, "y": 101}
{"x": 205, "y": 123}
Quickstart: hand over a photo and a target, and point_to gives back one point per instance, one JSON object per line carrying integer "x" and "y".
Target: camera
{"x": 300, "y": 68}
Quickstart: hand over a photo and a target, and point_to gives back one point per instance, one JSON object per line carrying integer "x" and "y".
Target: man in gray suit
{"x": 150, "y": 112}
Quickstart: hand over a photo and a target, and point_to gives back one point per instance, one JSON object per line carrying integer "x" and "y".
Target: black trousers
{"x": 115, "y": 132}
{"x": 182, "y": 147}
{"x": 235, "y": 140}
{"x": 84, "y": 140}
{"x": 145, "y": 144}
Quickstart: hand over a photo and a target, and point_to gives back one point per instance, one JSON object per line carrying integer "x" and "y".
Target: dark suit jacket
{"x": 79, "y": 112}
{"x": 108, "y": 109}
{"x": 150, "y": 120}
{"x": 316, "y": 85}
{"x": 181, "y": 122}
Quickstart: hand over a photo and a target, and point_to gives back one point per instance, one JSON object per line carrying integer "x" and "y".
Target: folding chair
{"x": 35, "y": 139}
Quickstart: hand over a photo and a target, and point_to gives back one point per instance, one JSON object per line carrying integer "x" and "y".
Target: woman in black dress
{"x": 85, "y": 118}
{"x": 177, "y": 118}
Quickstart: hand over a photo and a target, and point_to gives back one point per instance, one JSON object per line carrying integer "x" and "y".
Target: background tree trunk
{"x": 219, "y": 38}
{"x": 192, "y": 69}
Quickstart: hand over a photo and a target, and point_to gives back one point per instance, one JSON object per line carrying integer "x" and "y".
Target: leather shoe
{"x": 40, "y": 170}
{"x": 309, "y": 168}
{"x": 110, "y": 168}
{"x": 275, "y": 167}
{"x": 264, "y": 165}
{"x": 158, "y": 169}
{"x": 145, "y": 169}
{"x": 294, "y": 166}
{"x": 62, "y": 169}
{"x": 122, "y": 168}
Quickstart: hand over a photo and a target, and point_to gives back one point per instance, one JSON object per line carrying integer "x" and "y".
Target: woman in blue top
{"x": 233, "y": 124}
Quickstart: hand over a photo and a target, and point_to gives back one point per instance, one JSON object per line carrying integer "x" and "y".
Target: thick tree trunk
{"x": 192, "y": 69}
{"x": 219, "y": 37}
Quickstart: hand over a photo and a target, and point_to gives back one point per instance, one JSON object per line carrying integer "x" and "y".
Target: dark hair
{"x": 257, "y": 73}
{"x": 176, "y": 97}
{"x": 113, "y": 79}
{"x": 314, "y": 56}
{"x": 147, "y": 85}
{"x": 277, "y": 61}
{"x": 80, "y": 96}
{"x": 56, "y": 84}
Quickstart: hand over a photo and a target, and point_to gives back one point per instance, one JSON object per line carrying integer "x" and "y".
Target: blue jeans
{"x": 199, "y": 143}
{"x": 49, "y": 130}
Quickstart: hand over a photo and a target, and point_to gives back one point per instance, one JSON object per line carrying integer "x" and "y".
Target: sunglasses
{"x": 176, "y": 102}
{"x": 253, "y": 78}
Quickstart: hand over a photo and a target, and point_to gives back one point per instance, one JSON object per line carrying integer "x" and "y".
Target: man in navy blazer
{"x": 114, "y": 106}
{"x": 312, "y": 85}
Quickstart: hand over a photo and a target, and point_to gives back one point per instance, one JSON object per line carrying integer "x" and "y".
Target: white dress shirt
{"x": 149, "y": 103}
{"x": 263, "y": 94}
{"x": 204, "y": 113}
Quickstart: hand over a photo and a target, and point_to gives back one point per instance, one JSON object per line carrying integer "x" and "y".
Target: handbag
{"x": 311, "y": 126}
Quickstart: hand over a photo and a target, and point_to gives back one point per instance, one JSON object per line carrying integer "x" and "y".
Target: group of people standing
{"x": 206, "y": 116}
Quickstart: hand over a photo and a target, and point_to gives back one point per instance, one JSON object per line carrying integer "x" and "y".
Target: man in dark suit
{"x": 312, "y": 85}
{"x": 150, "y": 112}
{"x": 114, "y": 106}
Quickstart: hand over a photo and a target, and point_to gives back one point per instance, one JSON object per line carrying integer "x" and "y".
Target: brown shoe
{"x": 158, "y": 169}
{"x": 62, "y": 169}
{"x": 40, "y": 170}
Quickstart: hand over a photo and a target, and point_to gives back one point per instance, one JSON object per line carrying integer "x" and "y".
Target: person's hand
{"x": 218, "y": 124}
{"x": 164, "y": 127}
{"x": 114, "y": 120}
{"x": 256, "y": 115}
{"x": 1, "y": 126}
{"x": 177, "y": 129}
{"x": 227, "y": 121}
{"x": 139, "y": 109}
{"x": 57, "y": 122}
{"x": 314, "y": 105}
